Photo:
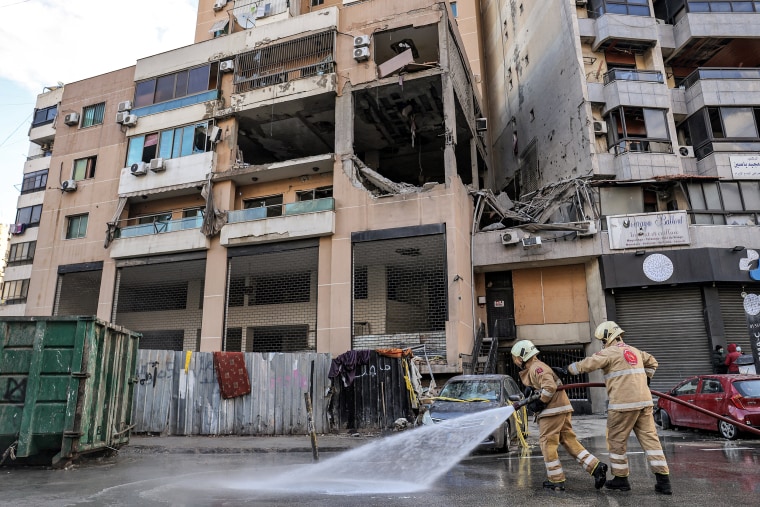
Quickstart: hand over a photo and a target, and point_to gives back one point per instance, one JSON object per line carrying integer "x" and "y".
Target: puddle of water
{"x": 405, "y": 463}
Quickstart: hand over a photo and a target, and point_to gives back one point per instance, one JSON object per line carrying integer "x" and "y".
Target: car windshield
{"x": 471, "y": 390}
{"x": 748, "y": 388}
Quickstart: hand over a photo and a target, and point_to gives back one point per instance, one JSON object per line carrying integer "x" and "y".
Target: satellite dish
{"x": 246, "y": 19}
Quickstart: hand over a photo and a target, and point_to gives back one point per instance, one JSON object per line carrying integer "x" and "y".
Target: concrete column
{"x": 474, "y": 163}
{"x": 449, "y": 104}
{"x": 107, "y": 290}
{"x": 716, "y": 328}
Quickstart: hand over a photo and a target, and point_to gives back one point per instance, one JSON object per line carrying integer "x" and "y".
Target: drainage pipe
{"x": 740, "y": 425}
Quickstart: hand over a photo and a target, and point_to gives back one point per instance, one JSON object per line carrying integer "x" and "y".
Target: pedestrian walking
{"x": 719, "y": 360}
{"x": 627, "y": 372}
{"x": 554, "y": 414}
{"x": 731, "y": 358}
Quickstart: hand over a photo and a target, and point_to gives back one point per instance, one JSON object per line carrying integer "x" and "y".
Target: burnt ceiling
{"x": 716, "y": 52}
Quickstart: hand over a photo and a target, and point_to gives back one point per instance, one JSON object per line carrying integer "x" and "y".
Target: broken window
{"x": 170, "y": 143}
{"x": 316, "y": 193}
{"x": 637, "y": 129}
{"x": 272, "y": 203}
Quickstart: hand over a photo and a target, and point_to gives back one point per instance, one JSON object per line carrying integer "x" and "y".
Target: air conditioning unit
{"x": 69, "y": 185}
{"x": 120, "y": 117}
{"x": 361, "y": 41}
{"x": 600, "y": 128}
{"x": 227, "y": 66}
{"x": 215, "y": 134}
{"x": 580, "y": 3}
{"x": 510, "y": 237}
{"x": 685, "y": 151}
{"x": 590, "y": 228}
{"x": 130, "y": 120}
{"x": 139, "y": 169}
{"x": 361, "y": 54}
{"x": 17, "y": 228}
{"x": 531, "y": 241}
{"x": 71, "y": 119}
{"x": 125, "y": 105}
{"x": 481, "y": 124}
{"x": 219, "y": 5}
{"x": 157, "y": 165}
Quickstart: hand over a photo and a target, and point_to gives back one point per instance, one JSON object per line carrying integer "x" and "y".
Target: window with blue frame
{"x": 176, "y": 85}
{"x": 170, "y": 143}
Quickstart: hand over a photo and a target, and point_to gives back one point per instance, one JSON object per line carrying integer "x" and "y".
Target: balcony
{"x": 640, "y": 159}
{"x": 159, "y": 237}
{"x": 304, "y": 219}
{"x": 712, "y": 29}
{"x": 636, "y": 33}
{"x": 635, "y": 88}
{"x": 721, "y": 87}
{"x": 180, "y": 176}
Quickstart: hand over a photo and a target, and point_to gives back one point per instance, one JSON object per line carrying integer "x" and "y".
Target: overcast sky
{"x": 43, "y": 42}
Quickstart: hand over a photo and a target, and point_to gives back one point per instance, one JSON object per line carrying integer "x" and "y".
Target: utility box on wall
{"x": 68, "y": 385}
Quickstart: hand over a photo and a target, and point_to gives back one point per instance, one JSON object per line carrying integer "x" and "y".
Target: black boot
{"x": 663, "y": 484}
{"x": 600, "y": 475}
{"x": 556, "y": 486}
{"x": 619, "y": 483}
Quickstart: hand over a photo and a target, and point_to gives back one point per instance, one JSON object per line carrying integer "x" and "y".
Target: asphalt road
{"x": 706, "y": 470}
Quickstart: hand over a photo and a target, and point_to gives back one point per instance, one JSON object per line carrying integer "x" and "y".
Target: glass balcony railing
{"x": 160, "y": 227}
{"x": 294, "y": 208}
{"x": 649, "y": 76}
{"x": 720, "y": 73}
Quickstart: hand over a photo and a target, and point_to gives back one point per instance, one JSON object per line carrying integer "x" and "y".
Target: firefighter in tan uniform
{"x": 554, "y": 413}
{"x": 627, "y": 371}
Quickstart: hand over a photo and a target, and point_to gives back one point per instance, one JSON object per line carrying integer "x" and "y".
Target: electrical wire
{"x": 14, "y": 130}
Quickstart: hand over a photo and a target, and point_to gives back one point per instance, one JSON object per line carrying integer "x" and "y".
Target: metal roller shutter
{"x": 734, "y": 318}
{"x": 668, "y": 323}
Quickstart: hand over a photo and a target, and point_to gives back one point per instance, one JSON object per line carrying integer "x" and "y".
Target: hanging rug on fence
{"x": 231, "y": 374}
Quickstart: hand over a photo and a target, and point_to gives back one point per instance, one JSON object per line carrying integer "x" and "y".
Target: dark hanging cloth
{"x": 346, "y": 363}
{"x": 231, "y": 374}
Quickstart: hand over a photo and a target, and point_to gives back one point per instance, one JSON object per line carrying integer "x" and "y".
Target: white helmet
{"x": 607, "y": 331}
{"x": 524, "y": 349}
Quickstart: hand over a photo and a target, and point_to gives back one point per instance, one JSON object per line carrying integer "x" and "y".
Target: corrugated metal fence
{"x": 177, "y": 395}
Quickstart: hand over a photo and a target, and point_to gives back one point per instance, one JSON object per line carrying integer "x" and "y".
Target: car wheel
{"x": 507, "y": 437}
{"x": 664, "y": 420}
{"x": 728, "y": 430}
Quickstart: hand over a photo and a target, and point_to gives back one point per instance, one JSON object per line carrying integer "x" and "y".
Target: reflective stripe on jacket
{"x": 626, "y": 369}
{"x": 538, "y": 375}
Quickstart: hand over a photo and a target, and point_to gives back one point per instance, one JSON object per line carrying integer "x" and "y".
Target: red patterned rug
{"x": 231, "y": 374}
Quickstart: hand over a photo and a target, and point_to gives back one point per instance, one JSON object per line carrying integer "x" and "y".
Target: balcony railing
{"x": 598, "y": 8}
{"x": 648, "y": 76}
{"x": 720, "y": 73}
{"x": 159, "y": 227}
{"x": 642, "y": 146}
{"x": 305, "y": 57}
{"x": 294, "y": 208}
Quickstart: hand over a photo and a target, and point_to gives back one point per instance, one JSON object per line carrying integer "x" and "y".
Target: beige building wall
{"x": 96, "y": 196}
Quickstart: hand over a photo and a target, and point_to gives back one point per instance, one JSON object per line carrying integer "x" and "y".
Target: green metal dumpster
{"x": 66, "y": 386}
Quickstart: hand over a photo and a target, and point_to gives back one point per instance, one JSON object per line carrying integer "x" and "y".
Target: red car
{"x": 734, "y": 396}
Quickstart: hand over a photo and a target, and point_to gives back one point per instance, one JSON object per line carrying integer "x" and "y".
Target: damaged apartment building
{"x": 297, "y": 179}
{"x": 626, "y": 156}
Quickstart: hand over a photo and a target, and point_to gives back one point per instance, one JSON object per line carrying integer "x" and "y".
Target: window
{"x": 628, "y": 7}
{"x": 636, "y": 129}
{"x": 76, "y": 226}
{"x": 711, "y": 386}
{"x": 45, "y": 115}
{"x": 14, "y": 292}
{"x": 723, "y": 129}
{"x": 171, "y": 143}
{"x": 689, "y": 387}
{"x": 453, "y": 8}
{"x": 84, "y": 168}
{"x": 93, "y": 115}
{"x": 176, "y": 85}
{"x": 725, "y": 202}
{"x": 34, "y": 182}
{"x": 272, "y": 203}
{"x": 21, "y": 253}
{"x": 316, "y": 193}
{"x": 314, "y": 3}
{"x": 30, "y": 216}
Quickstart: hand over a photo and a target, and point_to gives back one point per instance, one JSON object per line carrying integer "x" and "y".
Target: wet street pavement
{"x": 705, "y": 470}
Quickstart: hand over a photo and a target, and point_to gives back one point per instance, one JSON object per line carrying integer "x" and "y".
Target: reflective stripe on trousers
{"x": 555, "y": 430}
{"x": 619, "y": 427}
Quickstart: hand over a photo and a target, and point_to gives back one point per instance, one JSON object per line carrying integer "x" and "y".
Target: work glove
{"x": 527, "y": 392}
{"x": 649, "y": 380}
{"x": 536, "y": 406}
{"x": 560, "y": 371}
{"x": 567, "y": 369}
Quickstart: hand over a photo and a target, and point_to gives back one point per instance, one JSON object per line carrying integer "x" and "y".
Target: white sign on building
{"x": 745, "y": 167}
{"x": 648, "y": 229}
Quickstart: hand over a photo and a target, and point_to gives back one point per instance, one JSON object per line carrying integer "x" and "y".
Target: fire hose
{"x": 736, "y": 423}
